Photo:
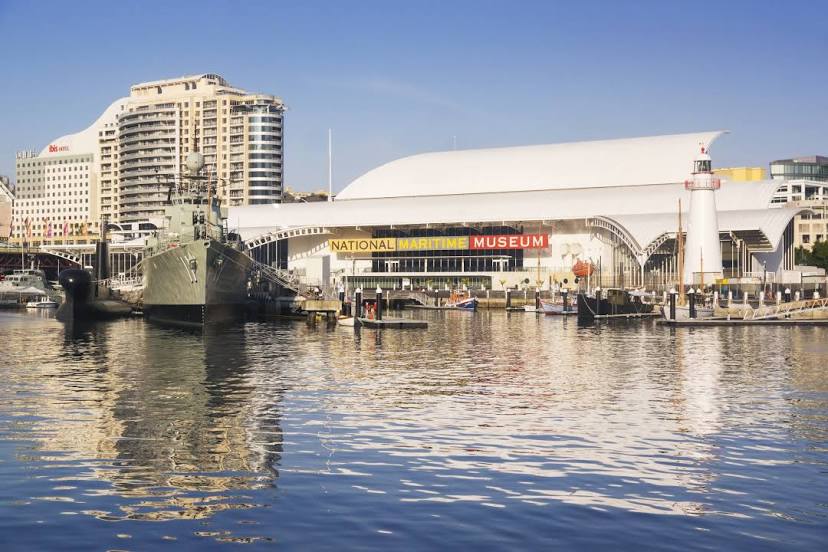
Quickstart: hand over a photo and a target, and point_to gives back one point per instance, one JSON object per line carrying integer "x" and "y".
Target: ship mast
{"x": 680, "y": 255}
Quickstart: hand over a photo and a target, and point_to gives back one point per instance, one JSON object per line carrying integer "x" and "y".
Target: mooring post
{"x": 673, "y": 294}
{"x": 565, "y": 295}
{"x": 787, "y": 295}
{"x": 762, "y": 298}
{"x": 796, "y": 295}
{"x": 537, "y": 299}
{"x": 729, "y": 297}
{"x": 379, "y": 303}
{"x": 692, "y": 297}
{"x": 357, "y": 307}
{"x": 508, "y": 298}
{"x": 342, "y": 300}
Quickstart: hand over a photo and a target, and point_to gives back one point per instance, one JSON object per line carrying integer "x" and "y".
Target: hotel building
{"x": 122, "y": 165}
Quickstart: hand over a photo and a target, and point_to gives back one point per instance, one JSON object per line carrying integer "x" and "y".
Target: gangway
{"x": 290, "y": 281}
{"x": 783, "y": 310}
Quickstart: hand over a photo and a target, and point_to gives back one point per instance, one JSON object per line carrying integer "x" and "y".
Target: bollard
{"x": 787, "y": 295}
{"x": 745, "y": 297}
{"x": 379, "y": 303}
{"x": 357, "y": 306}
{"x": 537, "y": 300}
{"x": 673, "y": 294}
{"x": 778, "y": 297}
{"x": 508, "y": 298}
{"x": 692, "y": 297}
{"x": 565, "y": 295}
{"x": 342, "y": 300}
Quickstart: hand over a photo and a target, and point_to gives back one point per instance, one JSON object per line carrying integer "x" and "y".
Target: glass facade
{"x": 803, "y": 168}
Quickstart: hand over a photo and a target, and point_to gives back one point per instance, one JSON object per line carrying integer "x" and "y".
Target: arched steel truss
{"x": 271, "y": 237}
{"x": 619, "y": 232}
{"x": 63, "y": 255}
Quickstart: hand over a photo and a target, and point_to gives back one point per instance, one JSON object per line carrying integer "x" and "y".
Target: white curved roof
{"x": 645, "y": 229}
{"x": 85, "y": 141}
{"x": 645, "y": 201}
{"x": 604, "y": 163}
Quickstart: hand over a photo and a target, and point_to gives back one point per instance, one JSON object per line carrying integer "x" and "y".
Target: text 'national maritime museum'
{"x": 516, "y": 216}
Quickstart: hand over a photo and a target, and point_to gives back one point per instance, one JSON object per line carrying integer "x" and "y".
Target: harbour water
{"x": 487, "y": 431}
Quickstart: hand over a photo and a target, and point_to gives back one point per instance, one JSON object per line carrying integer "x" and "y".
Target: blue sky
{"x": 397, "y": 78}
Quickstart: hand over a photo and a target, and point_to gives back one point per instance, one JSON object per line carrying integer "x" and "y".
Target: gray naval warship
{"x": 195, "y": 271}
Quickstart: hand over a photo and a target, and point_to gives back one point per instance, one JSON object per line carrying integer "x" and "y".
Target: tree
{"x": 818, "y": 256}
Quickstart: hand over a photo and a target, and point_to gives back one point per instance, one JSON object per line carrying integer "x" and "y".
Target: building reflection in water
{"x": 169, "y": 419}
{"x": 489, "y": 408}
{"x": 609, "y": 416}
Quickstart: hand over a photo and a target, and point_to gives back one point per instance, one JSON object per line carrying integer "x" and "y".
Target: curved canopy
{"x": 646, "y": 201}
{"x": 603, "y": 163}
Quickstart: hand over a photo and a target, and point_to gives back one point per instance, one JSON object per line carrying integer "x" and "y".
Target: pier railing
{"x": 782, "y": 310}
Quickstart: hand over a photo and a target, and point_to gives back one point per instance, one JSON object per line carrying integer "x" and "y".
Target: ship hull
{"x": 196, "y": 283}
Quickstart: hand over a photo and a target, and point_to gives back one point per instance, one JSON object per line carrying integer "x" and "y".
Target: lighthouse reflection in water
{"x": 485, "y": 430}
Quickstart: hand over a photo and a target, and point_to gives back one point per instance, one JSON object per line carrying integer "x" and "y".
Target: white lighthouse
{"x": 703, "y": 253}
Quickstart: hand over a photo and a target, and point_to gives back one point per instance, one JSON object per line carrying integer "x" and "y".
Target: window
{"x": 806, "y": 238}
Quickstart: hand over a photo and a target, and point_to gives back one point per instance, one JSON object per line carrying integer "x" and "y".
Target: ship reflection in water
{"x": 485, "y": 430}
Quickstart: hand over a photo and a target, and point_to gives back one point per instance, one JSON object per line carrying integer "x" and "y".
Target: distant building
{"x": 803, "y": 175}
{"x": 741, "y": 174}
{"x": 6, "y": 201}
{"x": 814, "y": 167}
{"x": 294, "y": 196}
{"x": 121, "y": 166}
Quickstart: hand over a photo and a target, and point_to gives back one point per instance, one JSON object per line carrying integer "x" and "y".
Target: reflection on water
{"x": 488, "y": 429}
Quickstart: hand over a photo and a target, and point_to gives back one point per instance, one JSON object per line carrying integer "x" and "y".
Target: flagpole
{"x": 330, "y": 167}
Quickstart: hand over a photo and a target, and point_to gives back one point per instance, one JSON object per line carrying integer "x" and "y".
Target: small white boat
{"x": 683, "y": 312}
{"x": 558, "y": 308}
{"x": 41, "y": 303}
